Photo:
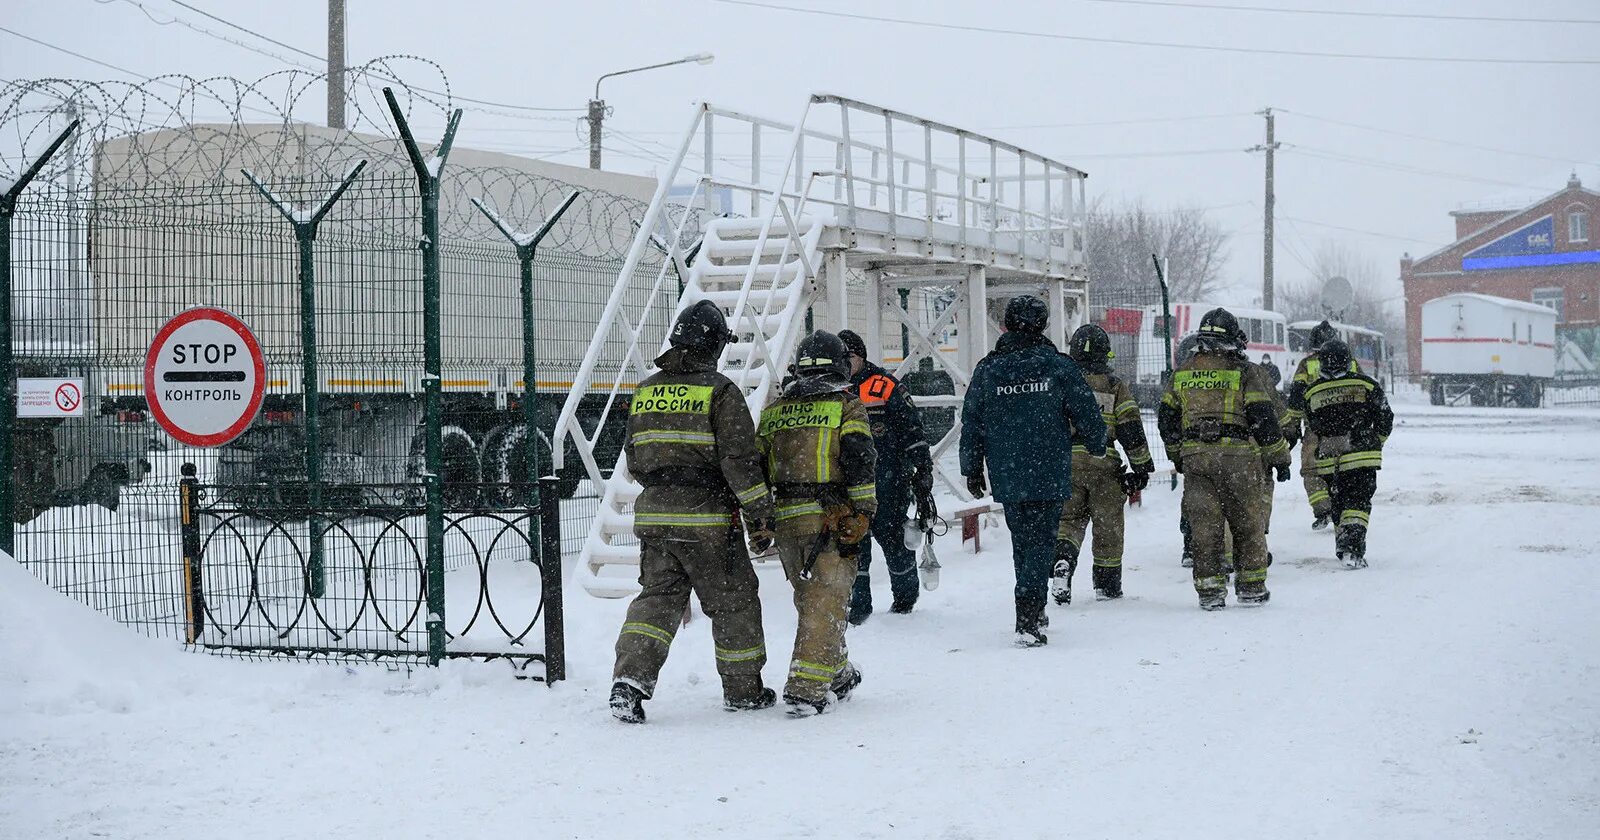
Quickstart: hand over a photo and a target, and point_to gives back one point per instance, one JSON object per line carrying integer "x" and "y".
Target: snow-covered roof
{"x": 1509, "y": 217}
{"x": 1507, "y": 303}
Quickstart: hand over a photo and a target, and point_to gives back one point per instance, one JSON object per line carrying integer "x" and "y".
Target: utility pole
{"x": 1266, "y": 226}
{"x": 336, "y": 64}
{"x": 597, "y": 115}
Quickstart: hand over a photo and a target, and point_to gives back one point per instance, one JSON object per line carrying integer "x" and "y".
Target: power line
{"x": 1127, "y": 42}
{"x": 323, "y": 60}
{"x": 1394, "y": 133}
{"x": 1341, "y": 12}
{"x": 1340, "y": 157}
{"x": 1294, "y": 220}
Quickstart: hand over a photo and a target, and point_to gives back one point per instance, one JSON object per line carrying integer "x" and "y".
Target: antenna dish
{"x": 1337, "y": 295}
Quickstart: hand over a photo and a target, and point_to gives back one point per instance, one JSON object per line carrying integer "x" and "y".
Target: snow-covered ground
{"x": 1451, "y": 690}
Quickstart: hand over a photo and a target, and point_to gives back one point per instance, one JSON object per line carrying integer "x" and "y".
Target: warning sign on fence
{"x": 49, "y": 397}
{"x": 204, "y": 377}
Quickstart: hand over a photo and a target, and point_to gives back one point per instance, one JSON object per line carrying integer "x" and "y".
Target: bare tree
{"x": 1122, "y": 238}
{"x": 1369, "y": 308}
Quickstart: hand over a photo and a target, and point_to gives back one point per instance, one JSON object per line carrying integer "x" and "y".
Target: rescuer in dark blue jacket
{"x": 1025, "y": 405}
{"x": 904, "y": 469}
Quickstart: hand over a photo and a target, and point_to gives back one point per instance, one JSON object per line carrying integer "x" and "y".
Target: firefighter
{"x": 1305, "y": 374}
{"x": 1022, "y": 405}
{"x": 691, "y": 444}
{"x": 820, "y": 461}
{"x": 904, "y": 469}
{"x": 1352, "y": 420}
{"x": 1100, "y": 486}
{"x": 1221, "y": 432}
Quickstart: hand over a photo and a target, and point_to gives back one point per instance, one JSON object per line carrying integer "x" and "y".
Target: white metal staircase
{"x": 976, "y": 217}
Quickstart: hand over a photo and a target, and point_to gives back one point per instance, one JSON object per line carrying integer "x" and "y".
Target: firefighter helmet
{"x": 1090, "y": 345}
{"x": 1335, "y": 356}
{"x": 1322, "y": 334}
{"x": 1026, "y": 313}
{"x": 1219, "y": 330}
{"x": 702, "y": 327}
{"x": 822, "y": 354}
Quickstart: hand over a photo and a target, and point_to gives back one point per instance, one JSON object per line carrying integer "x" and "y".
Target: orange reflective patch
{"x": 876, "y": 389}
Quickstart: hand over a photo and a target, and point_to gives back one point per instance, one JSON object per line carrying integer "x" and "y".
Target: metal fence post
{"x": 546, "y": 499}
{"x": 555, "y": 633}
{"x": 194, "y": 601}
{"x": 8, "y": 370}
{"x": 427, "y": 171}
{"x": 305, "y": 235}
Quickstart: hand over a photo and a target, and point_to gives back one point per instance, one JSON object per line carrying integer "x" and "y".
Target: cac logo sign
{"x": 204, "y": 377}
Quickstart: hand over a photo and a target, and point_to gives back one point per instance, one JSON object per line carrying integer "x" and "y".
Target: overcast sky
{"x": 1162, "y": 124}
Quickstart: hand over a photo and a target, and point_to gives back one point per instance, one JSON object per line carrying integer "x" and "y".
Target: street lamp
{"x": 597, "y": 106}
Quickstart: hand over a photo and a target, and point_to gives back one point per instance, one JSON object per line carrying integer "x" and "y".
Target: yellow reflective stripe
{"x": 1319, "y": 496}
{"x": 745, "y": 655}
{"x": 1356, "y": 516}
{"x": 824, "y": 450}
{"x": 1293, "y": 415}
{"x": 797, "y": 510}
{"x": 1364, "y": 458}
{"x": 1275, "y": 447}
{"x": 1126, "y": 406}
{"x": 639, "y": 628}
{"x": 864, "y": 491}
{"x": 686, "y": 438}
{"x": 1250, "y": 575}
{"x": 855, "y": 427}
{"x": 1253, "y": 397}
{"x": 759, "y": 491}
{"x": 684, "y": 520}
{"x": 814, "y": 671}
{"x": 1108, "y": 562}
{"x": 1169, "y": 399}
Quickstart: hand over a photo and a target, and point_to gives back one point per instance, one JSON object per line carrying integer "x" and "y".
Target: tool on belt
{"x": 840, "y": 521}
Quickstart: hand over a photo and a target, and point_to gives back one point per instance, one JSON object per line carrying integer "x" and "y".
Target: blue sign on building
{"x": 1529, "y": 246}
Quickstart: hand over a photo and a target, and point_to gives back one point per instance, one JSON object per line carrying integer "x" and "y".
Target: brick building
{"x": 1547, "y": 253}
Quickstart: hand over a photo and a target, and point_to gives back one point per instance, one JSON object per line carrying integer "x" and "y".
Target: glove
{"x": 849, "y": 526}
{"x": 762, "y": 533}
{"x": 1283, "y": 472}
{"x": 976, "y": 485}
{"x": 1291, "y": 435}
{"x": 922, "y": 481}
{"x": 1133, "y": 482}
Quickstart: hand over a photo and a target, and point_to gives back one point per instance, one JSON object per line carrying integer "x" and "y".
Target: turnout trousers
{"x": 1317, "y": 492}
{"x": 1033, "y": 527}
{"x": 711, "y": 563}
{"x": 1097, "y": 498}
{"x": 888, "y": 528}
{"x": 1352, "y": 503}
{"x": 820, "y": 659}
{"x": 1222, "y": 495}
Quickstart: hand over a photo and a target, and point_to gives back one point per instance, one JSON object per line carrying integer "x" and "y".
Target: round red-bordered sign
{"x": 204, "y": 377}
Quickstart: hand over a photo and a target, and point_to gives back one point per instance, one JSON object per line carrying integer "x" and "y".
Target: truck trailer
{"x": 1487, "y": 350}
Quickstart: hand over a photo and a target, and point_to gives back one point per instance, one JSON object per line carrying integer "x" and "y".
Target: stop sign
{"x": 204, "y": 377}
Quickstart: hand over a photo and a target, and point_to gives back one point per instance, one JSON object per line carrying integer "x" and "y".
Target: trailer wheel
{"x": 460, "y": 470}
{"x": 1436, "y": 392}
{"x": 505, "y": 463}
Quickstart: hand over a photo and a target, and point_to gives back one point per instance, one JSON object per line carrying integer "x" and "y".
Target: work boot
{"x": 1251, "y": 594}
{"x": 800, "y": 707}
{"x": 1061, "y": 575}
{"x": 765, "y": 699}
{"x": 627, "y": 703}
{"x": 1212, "y": 600}
{"x": 1030, "y": 624}
{"x": 901, "y": 606}
{"x": 1351, "y": 545}
{"x": 1321, "y": 521}
{"x": 859, "y": 615}
{"x": 1188, "y": 560}
{"x": 846, "y": 682}
{"x": 1107, "y": 583}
